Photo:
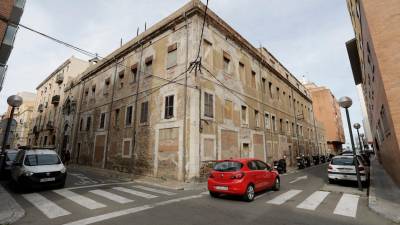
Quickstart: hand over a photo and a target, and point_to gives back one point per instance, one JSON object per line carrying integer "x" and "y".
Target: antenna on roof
{"x": 145, "y": 26}
{"x": 137, "y": 32}
{"x": 120, "y": 44}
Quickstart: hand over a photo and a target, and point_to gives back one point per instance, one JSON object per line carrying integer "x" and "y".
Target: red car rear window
{"x": 228, "y": 166}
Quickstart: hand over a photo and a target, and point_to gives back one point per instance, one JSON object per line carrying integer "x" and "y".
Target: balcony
{"x": 8, "y": 43}
{"x": 55, "y": 99}
{"x": 17, "y": 11}
{"x": 50, "y": 125}
{"x": 59, "y": 78}
{"x": 40, "y": 108}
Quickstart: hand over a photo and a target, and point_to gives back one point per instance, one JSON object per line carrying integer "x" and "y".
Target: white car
{"x": 37, "y": 168}
{"x": 342, "y": 168}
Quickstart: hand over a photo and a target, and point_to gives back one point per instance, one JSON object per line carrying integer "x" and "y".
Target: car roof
{"x": 343, "y": 156}
{"x": 39, "y": 151}
{"x": 242, "y": 160}
{"x": 11, "y": 151}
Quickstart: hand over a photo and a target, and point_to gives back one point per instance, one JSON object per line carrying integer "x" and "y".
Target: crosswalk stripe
{"x": 154, "y": 190}
{"x": 279, "y": 200}
{"x": 111, "y": 196}
{"x": 347, "y": 205}
{"x": 47, "y": 207}
{"x": 133, "y": 192}
{"x": 313, "y": 201}
{"x": 79, "y": 199}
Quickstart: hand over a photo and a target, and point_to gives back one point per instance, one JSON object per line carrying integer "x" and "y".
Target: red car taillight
{"x": 238, "y": 175}
{"x": 211, "y": 175}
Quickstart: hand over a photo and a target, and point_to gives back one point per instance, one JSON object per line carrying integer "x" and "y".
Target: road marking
{"x": 261, "y": 195}
{"x": 154, "y": 190}
{"x": 79, "y": 199}
{"x": 298, "y": 179}
{"x": 47, "y": 207}
{"x": 111, "y": 196}
{"x": 314, "y": 200}
{"x": 205, "y": 193}
{"x": 347, "y": 205}
{"x": 99, "y": 185}
{"x": 133, "y": 210}
{"x": 133, "y": 192}
{"x": 280, "y": 199}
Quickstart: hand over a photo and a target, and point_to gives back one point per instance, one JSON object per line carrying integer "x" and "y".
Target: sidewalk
{"x": 384, "y": 194}
{"x": 10, "y": 210}
{"x": 168, "y": 184}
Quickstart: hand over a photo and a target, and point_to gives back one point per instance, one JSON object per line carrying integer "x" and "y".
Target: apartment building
{"x": 10, "y": 15}
{"x": 374, "y": 56}
{"x": 143, "y": 110}
{"x": 23, "y": 117}
{"x": 327, "y": 111}
{"x": 47, "y": 116}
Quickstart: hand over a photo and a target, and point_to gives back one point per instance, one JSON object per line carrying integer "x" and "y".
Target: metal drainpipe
{"x": 109, "y": 118}
{"x": 78, "y": 116}
{"x": 263, "y": 107}
{"x": 315, "y": 129}
{"x": 185, "y": 101}
{"x": 295, "y": 123}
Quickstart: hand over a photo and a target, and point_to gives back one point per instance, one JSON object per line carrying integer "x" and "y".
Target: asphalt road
{"x": 304, "y": 198}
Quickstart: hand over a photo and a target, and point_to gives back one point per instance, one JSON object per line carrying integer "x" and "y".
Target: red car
{"x": 242, "y": 177}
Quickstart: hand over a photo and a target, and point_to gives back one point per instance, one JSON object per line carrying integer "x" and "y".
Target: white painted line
{"x": 261, "y": 195}
{"x": 154, "y": 190}
{"x": 205, "y": 193}
{"x": 111, "y": 196}
{"x": 158, "y": 185}
{"x": 124, "y": 212}
{"x": 48, "y": 208}
{"x": 347, "y": 205}
{"x": 79, "y": 199}
{"x": 298, "y": 179}
{"x": 133, "y": 192}
{"x": 98, "y": 185}
{"x": 314, "y": 200}
{"x": 280, "y": 199}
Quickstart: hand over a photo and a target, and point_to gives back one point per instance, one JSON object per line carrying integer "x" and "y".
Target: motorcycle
{"x": 315, "y": 159}
{"x": 280, "y": 166}
{"x": 301, "y": 164}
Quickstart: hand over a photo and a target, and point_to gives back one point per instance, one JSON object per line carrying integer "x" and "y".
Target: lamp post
{"x": 13, "y": 101}
{"x": 358, "y": 126}
{"x": 346, "y": 102}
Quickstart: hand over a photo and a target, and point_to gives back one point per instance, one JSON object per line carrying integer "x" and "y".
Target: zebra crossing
{"x": 346, "y": 206}
{"x": 118, "y": 195}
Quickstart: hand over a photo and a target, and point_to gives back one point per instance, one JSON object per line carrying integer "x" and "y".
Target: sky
{"x": 308, "y": 37}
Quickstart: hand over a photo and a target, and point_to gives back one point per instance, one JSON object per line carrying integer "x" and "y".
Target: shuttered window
{"x": 144, "y": 112}
{"x": 208, "y": 105}
{"x": 169, "y": 107}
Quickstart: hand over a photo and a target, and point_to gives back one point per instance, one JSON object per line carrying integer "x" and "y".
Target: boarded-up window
{"x": 128, "y": 115}
{"x": 209, "y": 148}
{"x": 169, "y": 107}
{"x": 208, "y": 105}
{"x": 229, "y": 144}
{"x": 148, "y": 66}
{"x": 208, "y": 53}
{"x": 228, "y": 109}
{"x": 99, "y": 148}
{"x": 168, "y": 140}
{"x": 144, "y": 112}
{"x": 226, "y": 61}
{"x": 172, "y": 55}
{"x": 134, "y": 72}
{"x": 127, "y": 147}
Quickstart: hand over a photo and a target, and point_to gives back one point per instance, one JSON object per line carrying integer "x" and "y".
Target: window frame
{"x": 123, "y": 148}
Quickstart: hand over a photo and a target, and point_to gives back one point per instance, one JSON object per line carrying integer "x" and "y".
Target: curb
{"x": 13, "y": 211}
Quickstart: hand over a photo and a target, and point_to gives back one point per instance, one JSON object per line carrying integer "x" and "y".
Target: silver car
{"x": 37, "y": 168}
{"x": 342, "y": 168}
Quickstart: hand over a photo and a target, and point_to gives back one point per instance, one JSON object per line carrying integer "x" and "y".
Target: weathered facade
{"x": 374, "y": 56}
{"x": 327, "y": 111}
{"x": 140, "y": 109}
{"x": 47, "y": 122}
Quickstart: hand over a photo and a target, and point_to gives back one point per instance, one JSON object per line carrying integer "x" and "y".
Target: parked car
{"x": 10, "y": 156}
{"x": 38, "y": 168}
{"x": 243, "y": 177}
{"x": 343, "y": 168}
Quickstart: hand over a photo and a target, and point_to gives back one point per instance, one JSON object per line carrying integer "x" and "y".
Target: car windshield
{"x": 228, "y": 166}
{"x": 41, "y": 159}
{"x": 11, "y": 156}
{"x": 342, "y": 161}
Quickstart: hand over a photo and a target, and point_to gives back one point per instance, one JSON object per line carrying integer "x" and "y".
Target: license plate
{"x": 47, "y": 179}
{"x": 222, "y": 188}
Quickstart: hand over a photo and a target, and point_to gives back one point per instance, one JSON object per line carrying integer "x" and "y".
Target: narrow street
{"x": 304, "y": 198}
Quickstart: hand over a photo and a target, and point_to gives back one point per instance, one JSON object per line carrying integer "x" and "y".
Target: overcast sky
{"x": 307, "y": 36}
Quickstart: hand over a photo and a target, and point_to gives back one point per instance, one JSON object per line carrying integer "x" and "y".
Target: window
{"x": 208, "y": 105}
{"x": 244, "y": 114}
{"x": 207, "y": 52}
{"x": 88, "y": 123}
{"x": 106, "y": 85}
{"x": 293, "y": 131}
{"x": 242, "y": 72}
{"x": 273, "y": 123}
{"x": 126, "y": 147}
{"x": 81, "y": 124}
{"x": 144, "y": 112}
{"x": 228, "y": 109}
{"x": 287, "y": 127}
{"x": 102, "y": 120}
{"x": 263, "y": 85}
{"x": 253, "y": 80}
{"x": 121, "y": 76}
{"x": 385, "y": 123}
{"x": 172, "y": 56}
{"x": 270, "y": 88}
{"x": 257, "y": 118}
{"x": 227, "y": 61}
{"x": 281, "y": 125}
{"x": 128, "y": 115}
{"x": 267, "y": 121}
{"x": 134, "y": 72}
{"x": 169, "y": 107}
{"x": 252, "y": 165}
{"x": 116, "y": 118}
{"x": 277, "y": 93}
{"x": 93, "y": 90}
{"x": 148, "y": 66}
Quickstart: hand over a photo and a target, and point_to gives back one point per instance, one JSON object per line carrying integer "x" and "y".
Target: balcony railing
{"x": 55, "y": 99}
{"x": 59, "y": 78}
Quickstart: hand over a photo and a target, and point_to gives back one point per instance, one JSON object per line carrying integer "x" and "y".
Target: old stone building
{"x": 143, "y": 109}
{"x": 374, "y": 56}
{"x": 47, "y": 121}
{"x": 327, "y": 111}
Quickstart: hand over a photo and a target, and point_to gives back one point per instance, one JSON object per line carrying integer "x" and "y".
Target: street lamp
{"x": 13, "y": 101}
{"x": 346, "y": 102}
{"x": 358, "y": 126}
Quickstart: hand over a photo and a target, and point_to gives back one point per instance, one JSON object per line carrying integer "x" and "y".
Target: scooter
{"x": 300, "y": 162}
{"x": 280, "y": 166}
{"x": 315, "y": 159}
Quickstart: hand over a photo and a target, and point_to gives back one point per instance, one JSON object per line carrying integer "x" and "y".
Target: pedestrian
{"x": 67, "y": 157}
